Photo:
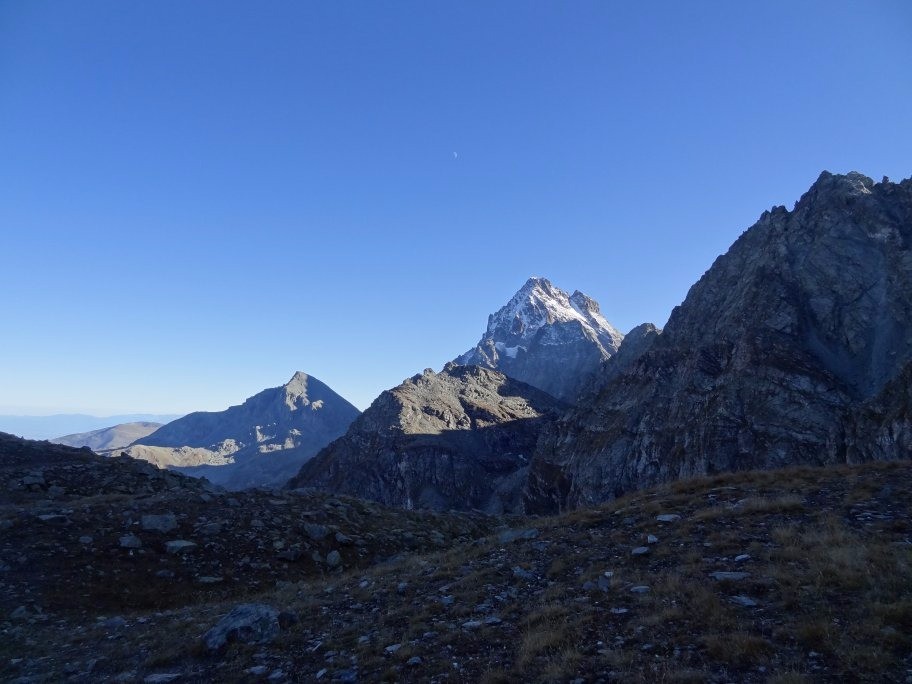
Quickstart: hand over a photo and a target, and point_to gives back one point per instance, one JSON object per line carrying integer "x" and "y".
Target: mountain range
{"x": 53, "y": 426}
{"x": 793, "y": 348}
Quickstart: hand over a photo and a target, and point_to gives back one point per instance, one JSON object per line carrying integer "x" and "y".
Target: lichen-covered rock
{"x": 458, "y": 439}
{"x": 806, "y": 319}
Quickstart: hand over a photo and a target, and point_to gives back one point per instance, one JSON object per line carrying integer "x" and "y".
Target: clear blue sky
{"x": 199, "y": 198}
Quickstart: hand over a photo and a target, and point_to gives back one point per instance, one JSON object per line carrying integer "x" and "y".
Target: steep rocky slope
{"x": 803, "y": 321}
{"x": 262, "y": 442}
{"x": 458, "y": 439}
{"x": 761, "y": 577}
{"x": 114, "y": 437}
{"x": 546, "y": 338}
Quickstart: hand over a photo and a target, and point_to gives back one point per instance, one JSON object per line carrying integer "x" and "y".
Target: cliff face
{"x": 459, "y": 439}
{"x": 804, "y": 321}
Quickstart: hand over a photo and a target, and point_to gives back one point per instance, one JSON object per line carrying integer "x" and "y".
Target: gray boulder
{"x": 248, "y": 623}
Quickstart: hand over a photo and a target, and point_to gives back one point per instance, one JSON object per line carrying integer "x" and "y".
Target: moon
{"x": 455, "y": 156}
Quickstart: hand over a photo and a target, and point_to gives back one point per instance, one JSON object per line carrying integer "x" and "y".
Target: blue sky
{"x": 199, "y": 198}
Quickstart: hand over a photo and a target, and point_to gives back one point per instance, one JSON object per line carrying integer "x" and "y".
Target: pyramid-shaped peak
{"x": 299, "y": 378}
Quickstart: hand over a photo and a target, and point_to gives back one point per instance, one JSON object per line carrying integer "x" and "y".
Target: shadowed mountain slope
{"x": 458, "y": 439}
{"x": 806, "y": 319}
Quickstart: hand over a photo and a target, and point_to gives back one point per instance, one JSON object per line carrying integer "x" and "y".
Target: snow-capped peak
{"x": 539, "y": 303}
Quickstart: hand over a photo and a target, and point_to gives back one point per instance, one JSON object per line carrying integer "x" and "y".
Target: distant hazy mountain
{"x": 547, "y": 338}
{"x": 50, "y": 427}
{"x": 114, "y": 437}
{"x": 262, "y": 442}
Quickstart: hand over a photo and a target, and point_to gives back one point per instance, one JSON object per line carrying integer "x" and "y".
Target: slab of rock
{"x": 730, "y": 576}
{"x": 668, "y": 517}
{"x": 164, "y": 522}
{"x": 640, "y": 550}
{"x": 179, "y": 546}
{"x": 745, "y": 601}
{"x": 130, "y": 541}
{"x": 508, "y": 536}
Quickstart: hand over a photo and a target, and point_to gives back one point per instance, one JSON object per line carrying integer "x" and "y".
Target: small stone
{"x": 210, "y": 529}
{"x": 522, "y": 573}
{"x": 652, "y": 539}
{"x": 508, "y": 536}
{"x": 640, "y": 589}
{"x": 162, "y": 678}
{"x": 604, "y": 583}
{"x": 401, "y": 587}
{"x": 413, "y": 661}
{"x": 165, "y": 574}
{"x": 640, "y": 550}
{"x": 730, "y": 576}
{"x": 114, "y": 623}
{"x": 276, "y": 675}
{"x": 343, "y": 539}
{"x": 447, "y": 600}
{"x": 257, "y": 670}
{"x": 668, "y": 517}
{"x": 210, "y": 579}
{"x": 179, "y": 546}
{"x": 471, "y": 624}
{"x": 130, "y": 541}
{"x": 321, "y": 673}
{"x": 20, "y": 613}
{"x": 619, "y": 611}
{"x": 742, "y": 557}
{"x": 745, "y": 601}
{"x": 315, "y": 531}
{"x": 54, "y": 519}
{"x": 291, "y": 554}
{"x": 85, "y": 539}
{"x": 392, "y": 648}
{"x": 492, "y": 620}
{"x": 333, "y": 558}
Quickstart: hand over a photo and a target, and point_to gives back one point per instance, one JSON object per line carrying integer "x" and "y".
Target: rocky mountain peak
{"x": 295, "y": 391}
{"x": 804, "y": 319}
{"x": 262, "y": 441}
{"x": 546, "y": 338}
{"x": 458, "y": 439}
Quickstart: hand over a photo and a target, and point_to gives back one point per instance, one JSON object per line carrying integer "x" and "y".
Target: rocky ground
{"x": 781, "y": 576}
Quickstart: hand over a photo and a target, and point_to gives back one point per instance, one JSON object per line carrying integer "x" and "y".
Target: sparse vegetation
{"x": 781, "y": 577}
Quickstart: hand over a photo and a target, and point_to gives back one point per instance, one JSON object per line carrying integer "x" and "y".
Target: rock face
{"x": 788, "y": 350}
{"x": 458, "y": 439}
{"x": 114, "y": 437}
{"x": 546, "y": 338}
{"x": 262, "y": 442}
